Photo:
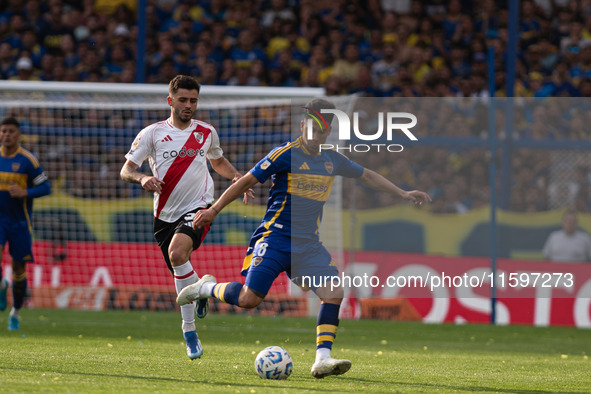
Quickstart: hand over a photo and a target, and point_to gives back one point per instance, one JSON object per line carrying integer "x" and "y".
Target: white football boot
{"x": 193, "y": 292}
{"x": 330, "y": 366}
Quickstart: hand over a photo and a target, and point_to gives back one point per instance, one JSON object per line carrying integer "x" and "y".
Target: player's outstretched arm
{"x": 203, "y": 217}
{"x": 129, "y": 173}
{"x": 223, "y": 167}
{"x": 378, "y": 182}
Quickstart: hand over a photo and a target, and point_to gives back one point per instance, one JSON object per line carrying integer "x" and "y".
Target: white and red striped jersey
{"x": 179, "y": 158}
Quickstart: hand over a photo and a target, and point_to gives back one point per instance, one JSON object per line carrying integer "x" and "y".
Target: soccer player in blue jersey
{"x": 21, "y": 180}
{"x": 287, "y": 239}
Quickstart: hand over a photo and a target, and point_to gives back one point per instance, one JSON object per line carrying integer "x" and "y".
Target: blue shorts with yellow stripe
{"x": 270, "y": 254}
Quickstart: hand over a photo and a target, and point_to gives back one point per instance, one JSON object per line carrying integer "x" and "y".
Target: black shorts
{"x": 164, "y": 231}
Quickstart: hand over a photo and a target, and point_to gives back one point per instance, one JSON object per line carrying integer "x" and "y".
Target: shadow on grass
{"x": 286, "y": 386}
{"x": 174, "y": 380}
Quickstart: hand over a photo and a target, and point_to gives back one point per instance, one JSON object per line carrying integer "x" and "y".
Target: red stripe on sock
{"x": 185, "y": 276}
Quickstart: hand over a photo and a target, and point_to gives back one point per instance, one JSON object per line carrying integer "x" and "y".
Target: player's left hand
{"x": 17, "y": 192}
{"x": 249, "y": 194}
{"x": 203, "y": 217}
{"x": 418, "y": 197}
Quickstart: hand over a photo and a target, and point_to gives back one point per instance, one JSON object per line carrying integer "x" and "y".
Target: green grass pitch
{"x": 117, "y": 351}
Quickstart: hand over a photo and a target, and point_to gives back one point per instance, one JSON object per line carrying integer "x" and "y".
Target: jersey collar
{"x": 3, "y": 152}
{"x": 169, "y": 123}
{"x": 304, "y": 149}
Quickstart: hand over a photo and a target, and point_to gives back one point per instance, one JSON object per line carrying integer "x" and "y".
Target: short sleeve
{"x": 215, "y": 151}
{"x": 346, "y": 167}
{"x": 278, "y": 160}
{"x": 142, "y": 147}
{"x": 34, "y": 171}
{"x": 37, "y": 175}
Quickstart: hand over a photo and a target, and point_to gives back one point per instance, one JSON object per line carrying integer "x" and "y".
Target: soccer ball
{"x": 273, "y": 362}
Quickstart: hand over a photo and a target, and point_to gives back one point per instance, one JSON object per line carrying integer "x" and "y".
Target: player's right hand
{"x": 203, "y": 217}
{"x": 417, "y": 196}
{"x": 16, "y": 191}
{"x": 152, "y": 184}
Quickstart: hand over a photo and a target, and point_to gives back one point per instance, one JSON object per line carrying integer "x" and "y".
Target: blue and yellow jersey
{"x": 301, "y": 185}
{"x": 22, "y": 169}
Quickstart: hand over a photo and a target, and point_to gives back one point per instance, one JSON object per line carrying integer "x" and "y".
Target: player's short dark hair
{"x": 11, "y": 121}
{"x": 317, "y": 105}
{"x": 183, "y": 82}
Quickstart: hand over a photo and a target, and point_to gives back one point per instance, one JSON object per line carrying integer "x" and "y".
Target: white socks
{"x": 207, "y": 288}
{"x": 322, "y": 353}
{"x": 184, "y": 275}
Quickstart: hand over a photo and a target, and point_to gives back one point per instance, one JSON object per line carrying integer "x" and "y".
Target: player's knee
{"x": 329, "y": 292}
{"x": 177, "y": 257}
{"x": 18, "y": 267}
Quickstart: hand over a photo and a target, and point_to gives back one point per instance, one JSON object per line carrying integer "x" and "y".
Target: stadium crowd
{"x": 374, "y": 48}
{"x": 380, "y": 48}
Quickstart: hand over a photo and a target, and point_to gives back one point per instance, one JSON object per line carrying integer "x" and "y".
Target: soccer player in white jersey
{"x": 177, "y": 150}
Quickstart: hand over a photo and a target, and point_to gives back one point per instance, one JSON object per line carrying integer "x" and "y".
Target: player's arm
{"x": 40, "y": 190}
{"x": 223, "y": 167}
{"x": 203, "y": 217}
{"x": 129, "y": 173}
{"x": 377, "y": 182}
{"x": 39, "y": 186}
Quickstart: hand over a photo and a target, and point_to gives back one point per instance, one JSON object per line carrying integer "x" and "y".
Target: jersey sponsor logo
{"x": 304, "y": 166}
{"x": 265, "y": 165}
{"x": 329, "y": 166}
{"x": 184, "y": 152}
{"x": 166, "y": 139}
{"x": 180, "y": 164}
{"x": 314, "y": 187}
{"x": 11, "y": 178}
